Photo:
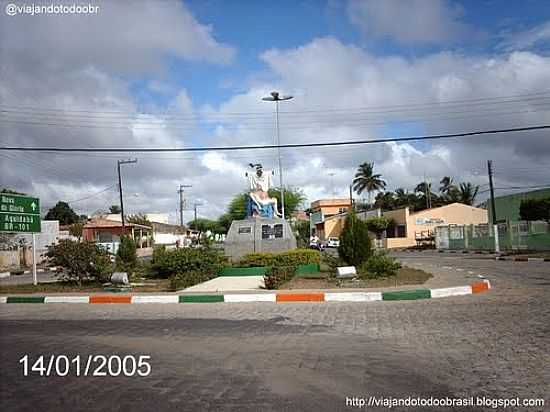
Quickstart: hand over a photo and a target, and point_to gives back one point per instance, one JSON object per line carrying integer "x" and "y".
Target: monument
{"x": 264, "y": 229}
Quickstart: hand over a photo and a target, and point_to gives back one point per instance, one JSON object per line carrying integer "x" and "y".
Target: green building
{"x": 507, "y": 207}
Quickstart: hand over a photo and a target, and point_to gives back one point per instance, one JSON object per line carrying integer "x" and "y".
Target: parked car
{"x": 333, "y": 242}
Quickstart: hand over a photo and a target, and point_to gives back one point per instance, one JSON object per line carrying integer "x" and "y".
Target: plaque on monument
{"x": 278, "y": 230}
{"x": 267, "y": 232}
{"x": 245, "y": 229}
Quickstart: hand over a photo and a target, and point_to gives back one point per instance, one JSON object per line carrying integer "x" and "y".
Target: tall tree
{"x": 467, "y": 193}
{"x": 115, "y": 209}
{"x": 62, "y": 212}
{"x": 535, "y": 209}
{"x": 446, "y": 184}
{"x": 385, "y": 200}
{"x": 366, "y": 180}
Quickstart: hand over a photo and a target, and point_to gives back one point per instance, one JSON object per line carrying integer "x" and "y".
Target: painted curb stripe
{"x": 25, "y": 299}
{"x": 478, "y": 287}
{"x": 260, "y": 297}
{"x": 200, "y": 298}
{"x": 407, "y": 295}
{"x": 353, "y": 296}
{"x": 300, "y": 297}
{"x": 455, "y": 291}
{"x": 155, "y": 299}
{"x": 110, "y": 299}
{"x": 67, "y": 299}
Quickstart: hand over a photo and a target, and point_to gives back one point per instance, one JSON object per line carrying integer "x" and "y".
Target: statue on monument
{"x": 259, "y": 204}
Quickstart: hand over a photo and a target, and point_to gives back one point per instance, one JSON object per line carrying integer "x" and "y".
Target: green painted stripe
{"x": 407, "y": 295}
{"x": 307, "y": 269}
{"x": 25, "y": 299}
{"x": 251, "y": 271}
{"x": 201, "y": 298}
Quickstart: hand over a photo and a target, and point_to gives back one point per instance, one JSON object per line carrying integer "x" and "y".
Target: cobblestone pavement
{"x": 295, "y": 356}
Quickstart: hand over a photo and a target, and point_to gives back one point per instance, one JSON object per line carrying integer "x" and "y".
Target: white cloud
{"x": 133, "y": 37}
{"x": 410, "y": 21}
{"x": 526, "y": 39}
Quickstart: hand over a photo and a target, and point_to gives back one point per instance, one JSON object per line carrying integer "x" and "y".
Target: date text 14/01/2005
{"x": 91, "y": 365}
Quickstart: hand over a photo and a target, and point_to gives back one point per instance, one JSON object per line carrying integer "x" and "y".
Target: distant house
{"x": 328, "y": 216}
{"x": 107, "y": 233}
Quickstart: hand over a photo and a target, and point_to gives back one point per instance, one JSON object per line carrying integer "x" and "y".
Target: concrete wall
{"x": 9, "y": 258}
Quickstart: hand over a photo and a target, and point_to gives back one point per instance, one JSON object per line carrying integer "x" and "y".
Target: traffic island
{"x": 278, "y": 297}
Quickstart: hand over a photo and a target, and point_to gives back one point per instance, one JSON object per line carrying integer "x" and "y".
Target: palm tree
{"x": 365, "y": 179}
{"x": 446, "y": 184}
{"x": 467, "y": 193}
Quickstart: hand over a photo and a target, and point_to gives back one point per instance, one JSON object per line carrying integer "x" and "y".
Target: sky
{"x": 172, "y": 74}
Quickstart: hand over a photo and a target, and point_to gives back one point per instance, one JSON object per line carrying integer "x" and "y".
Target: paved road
{"x": 301, "y": 356}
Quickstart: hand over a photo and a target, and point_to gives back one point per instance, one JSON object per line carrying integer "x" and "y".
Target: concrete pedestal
{"x": 258, "y": 235}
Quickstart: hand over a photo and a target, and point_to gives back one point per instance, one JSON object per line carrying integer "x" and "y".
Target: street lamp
{"x": 122, "y": 162}
{"x": 276, "y": 98}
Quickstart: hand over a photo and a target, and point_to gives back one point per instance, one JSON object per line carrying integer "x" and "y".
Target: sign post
{"x": 21, "y": 214}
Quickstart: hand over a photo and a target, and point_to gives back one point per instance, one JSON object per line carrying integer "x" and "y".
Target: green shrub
{"x": 277, "y": 275}
{"x": 166, "y": 263}
{"x": 332, "y": 262}
{"x": 290, "y": 258}
{"x": 355, "y": 243}
{"x": 378, "y": 266}
{"x": 126, "y": 256}
{"x": 187, "y": 279}
{"x": 80, "y": 260}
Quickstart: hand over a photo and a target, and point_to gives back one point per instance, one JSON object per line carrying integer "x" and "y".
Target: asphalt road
{"x": 295, "y": 356}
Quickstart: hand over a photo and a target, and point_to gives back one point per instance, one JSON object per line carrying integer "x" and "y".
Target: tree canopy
{"x": 366, "y": 180}
{"x": 62, "y": 212}
{"x": 535, "y": 209}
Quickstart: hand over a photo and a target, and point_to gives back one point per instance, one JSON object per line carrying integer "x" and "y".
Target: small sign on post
{"x": 21, "y": 214}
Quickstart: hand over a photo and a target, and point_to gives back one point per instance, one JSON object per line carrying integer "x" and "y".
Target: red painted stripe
{"x": 479, "y": 287}
{"x": 300, "y": 297}
{"x": 110, "y": 299}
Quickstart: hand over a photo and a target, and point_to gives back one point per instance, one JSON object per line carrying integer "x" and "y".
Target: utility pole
{"x": 493, "y": 208}
{"x": 182, "y": 201}
{"x": 122, "y": 162}
{"x": 351, "y": 197}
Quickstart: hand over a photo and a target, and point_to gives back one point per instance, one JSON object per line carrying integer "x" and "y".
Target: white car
{"x": 333, "y": 242}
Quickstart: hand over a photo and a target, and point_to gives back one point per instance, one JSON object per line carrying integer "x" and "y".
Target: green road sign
{"x": 19, "y": 213}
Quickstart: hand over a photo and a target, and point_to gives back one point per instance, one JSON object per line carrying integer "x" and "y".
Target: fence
{"x": 520, "y": 235}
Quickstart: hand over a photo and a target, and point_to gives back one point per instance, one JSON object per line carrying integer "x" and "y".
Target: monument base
{"x": 258, "y": 234}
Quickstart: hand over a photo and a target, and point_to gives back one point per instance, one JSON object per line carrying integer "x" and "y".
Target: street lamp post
{"x": 122, "y": 162}
{"x": 276, "y": 98}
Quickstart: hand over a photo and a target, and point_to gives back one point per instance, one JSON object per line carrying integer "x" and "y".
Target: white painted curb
{"x": 258, "y": 297}
{"x": 67, "y": 299}
{"x": 353, "y": 296}
{"x": 456, "y": 291}
{"x": 3, "y": 299}
{"x": 4, "y": 275}
{"x": 155, "y": 299}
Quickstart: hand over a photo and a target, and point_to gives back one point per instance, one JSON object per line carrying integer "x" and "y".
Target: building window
{"x": 105, "y": 237}
{"x": 342, "y": 210}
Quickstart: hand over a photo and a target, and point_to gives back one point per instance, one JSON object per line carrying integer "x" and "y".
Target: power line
{"x": 92, "y": 195}
{"x": 504, "y": 99}
{"x": 258, "y": 147}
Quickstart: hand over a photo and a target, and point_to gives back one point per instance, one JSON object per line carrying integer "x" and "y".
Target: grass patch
{"x": 405, "y": 276}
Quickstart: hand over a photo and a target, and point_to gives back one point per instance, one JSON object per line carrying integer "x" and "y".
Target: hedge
{"x": 294, "y": 257}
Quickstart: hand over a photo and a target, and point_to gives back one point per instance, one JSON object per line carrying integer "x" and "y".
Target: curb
{"x": 281, "y": 297}
{"x": 522, "y": 259}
